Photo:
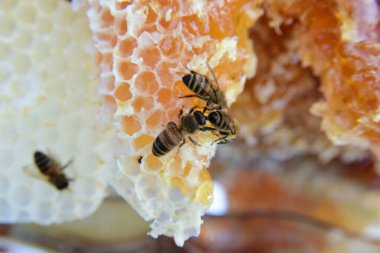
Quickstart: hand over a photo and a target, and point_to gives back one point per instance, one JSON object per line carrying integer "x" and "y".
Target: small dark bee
{"x": 139, "y": 159}
{"x": 222, "y": 122}
{"x": 51, "y": 168}
{"x": 206, "y": 89}
{"x": 174, "y": 135}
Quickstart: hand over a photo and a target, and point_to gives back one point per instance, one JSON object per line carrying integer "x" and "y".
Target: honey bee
{"x": 52, "y": 170}
{"x": 205, "y": 89}
{"x": 222, "y": 122}
{"x": 174, "y": 135}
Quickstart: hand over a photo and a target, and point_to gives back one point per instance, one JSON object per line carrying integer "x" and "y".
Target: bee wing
{"x": 32, "y": 172}
{"x": 212, "y": 73}
{"x": 216, "y": 82}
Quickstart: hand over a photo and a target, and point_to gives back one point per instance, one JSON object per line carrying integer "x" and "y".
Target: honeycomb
{"x": 49, "y": 102}
{"x": 279, "y": 98}
{"x": 342, "y": 49}
{"x": 143, "y": 50}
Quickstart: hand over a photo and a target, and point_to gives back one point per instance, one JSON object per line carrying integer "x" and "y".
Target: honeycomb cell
{"x": 204, "y": 193}
{"x": 122, "y": 92}
{"x": 151, "y": 15}
{"x": 164, "y": 96}
{"x": 61, "y": 39}
{"x": 106, "y": 39}
{"x": 44, "y": 26}
{"x": 106, "y": 17}
{"x": 26, "y": 13}
{"x": 126, "y": 69}
{"x": 143, "y": 103}
{"x": 164, "y": 73}
{"x": 7, "y": 26}
{"x": 24, "y": 39}
{"x": 121, "y": 25}
{"x": 150, "y": 55}
{"x": 193, "y": 25}
{"x": 155, "y": 119}
{"x": 110, "y": 83}
{"x": 180, "y": 184}
{"x": 153, "y": 163}
{"x": 21, "y": 64}
{"x": 142, "y": 141}
{"x": 169, "y": 46}
{"x": 146, "y": 82}
{"x": 126, "y": 46}
{"x": 130, "y": 124}
{"x": 164, "y": 25}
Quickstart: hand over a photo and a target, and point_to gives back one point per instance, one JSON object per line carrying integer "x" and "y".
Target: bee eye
{"x": 213, "y": 117}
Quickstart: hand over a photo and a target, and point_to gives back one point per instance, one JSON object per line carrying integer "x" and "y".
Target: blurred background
{"x": 261, "y": 205}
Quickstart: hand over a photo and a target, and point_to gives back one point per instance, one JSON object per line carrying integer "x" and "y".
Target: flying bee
{"x": 174, "y": 135}
{"x": 52, "y": 170}
{"x": 222, "y": 122}
{"x": 205, "y": 89}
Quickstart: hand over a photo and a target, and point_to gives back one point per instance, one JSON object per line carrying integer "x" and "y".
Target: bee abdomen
{"x": 166, "y": 141}
{"x": 42, "y": 161}
{"x": 196, "y": 83}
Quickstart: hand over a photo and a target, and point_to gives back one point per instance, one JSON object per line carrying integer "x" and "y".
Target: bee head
{"x": 61, "y": 182}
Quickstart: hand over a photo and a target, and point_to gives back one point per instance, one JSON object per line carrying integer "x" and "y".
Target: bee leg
{"x": 67, "y": 164}
{"x": 221, "y": 140}
{"x": 193, "y": 108}
{"x": 192, "y": 96}
{"x": 208, "y": 108}
{"x": 180, "y": 113}
{"x": 183, "y": 143}
{"x": 203, "y": 129}
{"x": 193, "y": 141}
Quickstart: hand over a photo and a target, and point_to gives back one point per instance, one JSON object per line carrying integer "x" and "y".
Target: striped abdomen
{"x": 201, "y": 85}
{"x": 44, "y": 163}
{"x": 220, "y": 121}
{"x": 167, "y": 140}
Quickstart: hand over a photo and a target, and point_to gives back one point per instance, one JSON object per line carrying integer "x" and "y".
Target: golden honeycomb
{"x": 318, "y": 66}
{"x": 279, "y": 98}
{"x": 339, "y": 41}
{"x": 143, "y": 50}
